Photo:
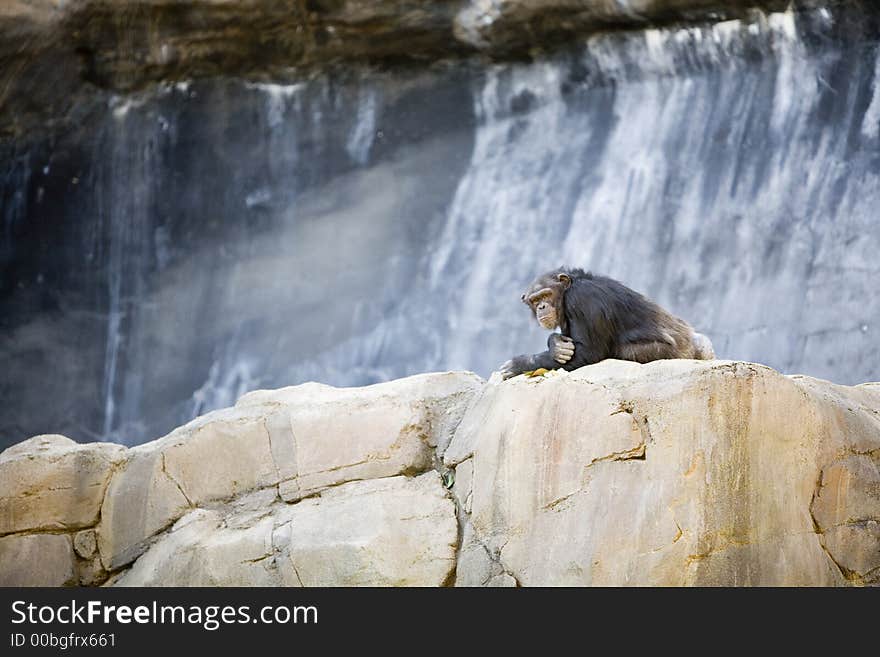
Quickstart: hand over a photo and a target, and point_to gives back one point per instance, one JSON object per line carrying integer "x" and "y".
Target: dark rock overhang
{"x": 52, "y": 51}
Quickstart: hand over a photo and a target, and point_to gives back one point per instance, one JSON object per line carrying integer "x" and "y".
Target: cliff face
{"x": 173, "y": 245}
{"x": 51, "y": 51}
{"x": 672, "y": 473}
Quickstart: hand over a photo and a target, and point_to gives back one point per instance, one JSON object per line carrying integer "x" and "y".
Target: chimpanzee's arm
{"x": 560, "y": 349}
{"x": 584, "y": 354}
{"x": 527, "y": 363}
{"x": 590, "y": 344}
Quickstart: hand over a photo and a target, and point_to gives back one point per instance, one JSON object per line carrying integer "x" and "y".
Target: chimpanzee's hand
{"x": 511, "y": 368}
{"x": 561, "y": 348}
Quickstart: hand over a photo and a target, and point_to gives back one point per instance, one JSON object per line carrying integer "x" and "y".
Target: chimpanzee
{"x": 601, "y": 318}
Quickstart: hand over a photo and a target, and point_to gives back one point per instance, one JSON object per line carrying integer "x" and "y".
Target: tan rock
{"x": 671, "y": 473}
{"x": 322, "y": 436}
{"x": 502, "y": 581}
{"x": 37, "y": 560}
{"x": 141, "y": 501}
{"x": 215, "y": 457}
{"x": 475, "y": 565}
{"x": 388, "y": 532}
{"x": 51, "y": 482}
{"x": 85, "y": 543}
{"x": 305, "y": 437}
{"x": 848, "y": 492}
{"x": 200, "y": 551}
{"x": 463, "y": 486}
{"x": 394, "y": 531}
{"x": 846, "y": 511}
{"x": 221, "y": 455}
{"x": 855, "y": 549}
{"x": 91, "y": 572}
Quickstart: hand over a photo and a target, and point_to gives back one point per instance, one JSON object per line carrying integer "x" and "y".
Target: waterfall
{"x": 704, "y": 177}
{"x": 367, "y": 224}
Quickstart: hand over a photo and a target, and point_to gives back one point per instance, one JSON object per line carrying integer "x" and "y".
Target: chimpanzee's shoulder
{"x": 576, "y": 273}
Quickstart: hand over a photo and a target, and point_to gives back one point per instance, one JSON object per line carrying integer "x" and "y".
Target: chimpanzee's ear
{"x": 565, "y": 279}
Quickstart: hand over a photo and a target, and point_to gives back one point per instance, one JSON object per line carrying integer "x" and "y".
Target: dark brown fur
{"x": 603, "y": 318}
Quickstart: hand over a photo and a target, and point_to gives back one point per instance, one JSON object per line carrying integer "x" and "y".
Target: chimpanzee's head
{"x": 544, "y": 297}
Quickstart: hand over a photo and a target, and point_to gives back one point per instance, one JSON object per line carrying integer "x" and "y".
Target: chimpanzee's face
{"x": 544, "y": 297}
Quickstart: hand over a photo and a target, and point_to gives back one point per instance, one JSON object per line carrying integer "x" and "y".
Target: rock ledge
{"x": 671, "y": 473}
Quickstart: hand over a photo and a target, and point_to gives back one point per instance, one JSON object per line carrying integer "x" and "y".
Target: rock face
{"x": 53, "y": 483}
{"x": 37, "y": 560}
{"x": 169, "y": 320}
{"x": 221, "y": 500}
{"x": 50, "y": 51}
{"x": 672, "y": 473}
{"x": 296, "y": 441}
{"x": 393, "y": 531}
{"x": 675, "y": 473}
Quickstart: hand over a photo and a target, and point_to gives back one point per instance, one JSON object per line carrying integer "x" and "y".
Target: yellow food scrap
{"x": 538, "y": 372}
